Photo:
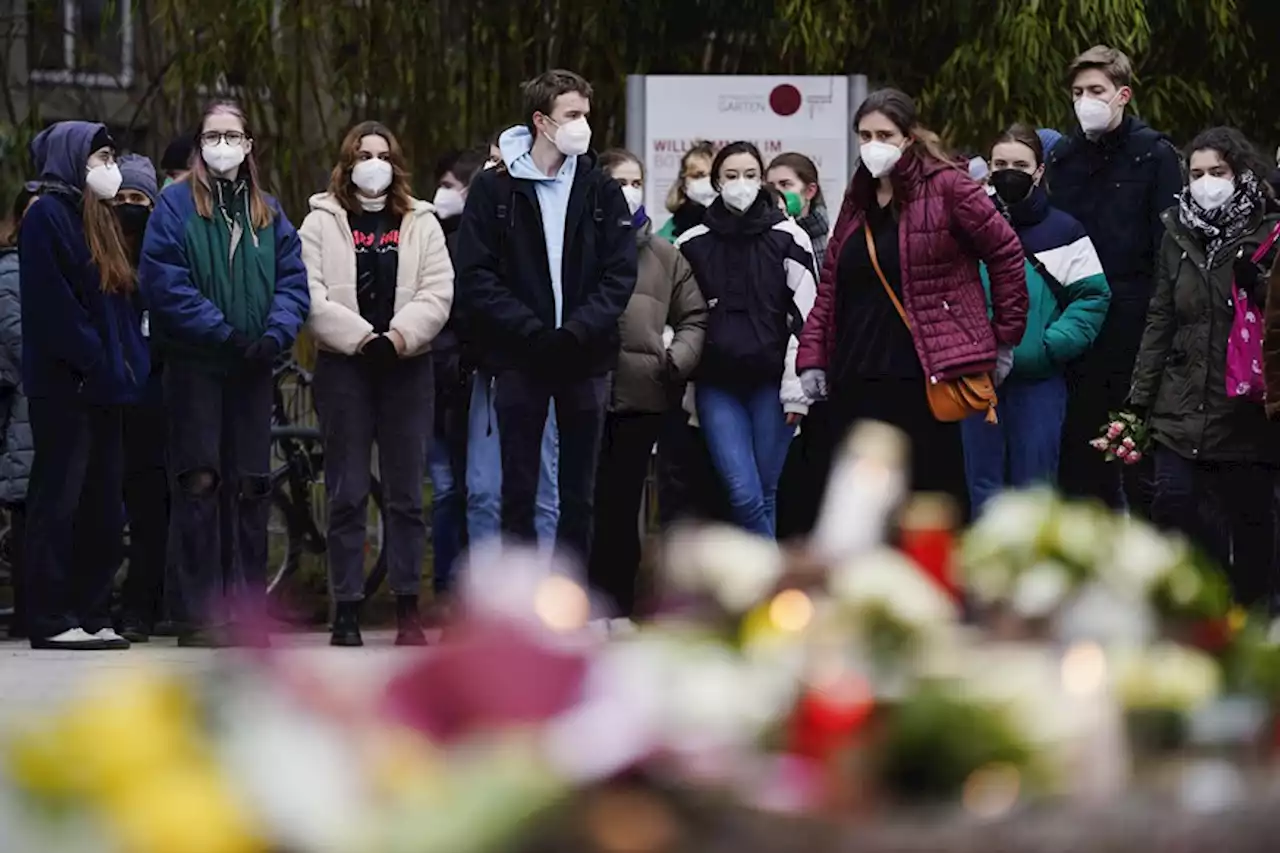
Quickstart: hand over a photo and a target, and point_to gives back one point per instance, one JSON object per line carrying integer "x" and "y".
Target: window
{"x": 80, "y": 41}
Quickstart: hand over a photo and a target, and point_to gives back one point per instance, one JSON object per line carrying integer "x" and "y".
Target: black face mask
{"x": 1012, "y": 185}
{"x": 133, "y": 219}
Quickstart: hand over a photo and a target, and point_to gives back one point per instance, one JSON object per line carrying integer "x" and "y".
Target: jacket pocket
{"x": 957, "y": 316}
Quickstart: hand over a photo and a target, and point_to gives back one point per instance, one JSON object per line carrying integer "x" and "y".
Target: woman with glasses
{"x": 223, "y": 278}
{"x": 83, "y": 359}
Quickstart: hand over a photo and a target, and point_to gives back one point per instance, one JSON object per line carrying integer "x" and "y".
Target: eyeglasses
{"x": 213, "y": 137}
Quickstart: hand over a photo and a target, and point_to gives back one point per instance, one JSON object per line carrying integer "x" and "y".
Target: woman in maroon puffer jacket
{"x": 932, "y": 225}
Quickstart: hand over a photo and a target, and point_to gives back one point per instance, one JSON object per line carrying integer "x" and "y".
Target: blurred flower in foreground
{"x": 735, "y": 568}
{"x": 132, "y": 753}
{"x": 490, "y": 675}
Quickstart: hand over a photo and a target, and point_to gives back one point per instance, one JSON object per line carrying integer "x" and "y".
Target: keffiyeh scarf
{"x": 1228, "y": 222}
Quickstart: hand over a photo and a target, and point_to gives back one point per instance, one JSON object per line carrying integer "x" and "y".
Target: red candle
{"x": 827, "y": 720}
{"x": 928, "y": 537}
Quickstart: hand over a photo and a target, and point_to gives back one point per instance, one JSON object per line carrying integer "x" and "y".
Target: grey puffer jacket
{"x": 651, "y": 374}
{"x": 18, "y": 449}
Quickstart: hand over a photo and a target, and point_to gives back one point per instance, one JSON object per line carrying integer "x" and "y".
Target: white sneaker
{"x": 76, "y": 639}
{"x": 113, "y": 640}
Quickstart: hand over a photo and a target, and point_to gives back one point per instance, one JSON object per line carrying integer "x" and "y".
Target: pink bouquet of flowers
{"x": 1124, "y": 438}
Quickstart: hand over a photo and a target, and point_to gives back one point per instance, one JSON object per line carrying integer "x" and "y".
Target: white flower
{"x": 1012, "y": 524}
{"x": 1041, "y": 589}
{"x": 1080, "y": 533}
{"x": 302, "y": 775}
{"x": 739, "y": 569}
{"x": 887, "y": 579}
{"x": 1105, "y": 615}
{"x": 1166, "y": 677}
{"x": 1141, "y": 556}
{"x": 991, "y": 580}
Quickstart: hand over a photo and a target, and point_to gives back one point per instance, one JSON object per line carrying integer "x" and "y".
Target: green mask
{"x": 795, "y": 204}
{"x": 166, "y": 183}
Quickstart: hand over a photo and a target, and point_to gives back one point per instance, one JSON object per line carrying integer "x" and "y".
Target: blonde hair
{"x": 260, "y": 213}
{"x": 676, "y": 196}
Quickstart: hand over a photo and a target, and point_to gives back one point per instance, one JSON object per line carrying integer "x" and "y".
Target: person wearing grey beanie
{"x": 146, "y": 488}
{"x": 134, "y": 200}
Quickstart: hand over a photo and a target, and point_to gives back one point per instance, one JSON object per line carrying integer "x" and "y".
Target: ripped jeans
{"x": 220, "y": 465}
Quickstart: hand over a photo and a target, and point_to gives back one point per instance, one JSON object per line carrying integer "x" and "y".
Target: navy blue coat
{"x": 77, "y": 342}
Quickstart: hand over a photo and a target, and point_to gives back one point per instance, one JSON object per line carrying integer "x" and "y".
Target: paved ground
{"x": 32, "y": 681}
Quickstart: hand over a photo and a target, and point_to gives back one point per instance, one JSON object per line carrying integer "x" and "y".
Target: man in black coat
{"x": 546, "y": 263}
{"x": 1116, "y": 175}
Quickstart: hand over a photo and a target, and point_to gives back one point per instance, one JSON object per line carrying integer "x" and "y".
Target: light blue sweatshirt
{"x": 516, "y": 145}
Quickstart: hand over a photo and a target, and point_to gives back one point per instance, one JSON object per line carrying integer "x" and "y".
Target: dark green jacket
{"x": 1180, "y": 374}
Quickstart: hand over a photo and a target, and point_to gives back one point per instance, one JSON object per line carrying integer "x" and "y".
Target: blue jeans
{"x": 484, "y": 471}
{"x": 747, "y": 436}
{"x": 1022, "y": 449}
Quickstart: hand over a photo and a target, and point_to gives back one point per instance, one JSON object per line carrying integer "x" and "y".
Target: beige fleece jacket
{"x": 424, "y": 278}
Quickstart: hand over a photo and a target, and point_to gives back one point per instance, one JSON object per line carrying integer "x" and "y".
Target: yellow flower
{"x": 186, "y": 809}
{"x": 1236, "y": 619}
{"x": 139, "y": 727}
{"x": 37, "y": 760}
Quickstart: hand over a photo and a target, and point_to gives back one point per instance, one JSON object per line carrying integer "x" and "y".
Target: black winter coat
{"x": 1117, "y": 186}
{"x": 503, "y": 293}
{"x": 1180, "y": 376}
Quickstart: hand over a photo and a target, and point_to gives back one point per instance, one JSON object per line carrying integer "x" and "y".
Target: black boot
{"x": 346, "y": 625}
{"x": 408, "y": 622}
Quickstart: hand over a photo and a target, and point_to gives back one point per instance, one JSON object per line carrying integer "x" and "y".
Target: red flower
{"x": 486, "y": 676}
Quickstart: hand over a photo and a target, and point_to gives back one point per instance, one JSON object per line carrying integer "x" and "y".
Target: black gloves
{"x": 555, "y": 351}
{"x": 238, "y": 343}
{"x": 264, "y": 351}
{"x": 380, "y": 353}
{"x": 1249, "y": 278}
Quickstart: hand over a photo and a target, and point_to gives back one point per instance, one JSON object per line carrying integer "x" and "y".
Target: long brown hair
{"x": 260, "y": 212}
{"x": 399, "y": 194}
{"x": 899, "y": 108}
{"x": 107, "y": 246}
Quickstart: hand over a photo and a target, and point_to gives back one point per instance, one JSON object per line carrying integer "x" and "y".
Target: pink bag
{"x": 1244, "y": 345}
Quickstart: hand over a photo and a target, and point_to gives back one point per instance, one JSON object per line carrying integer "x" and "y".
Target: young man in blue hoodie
{"x": 546, "y": 262}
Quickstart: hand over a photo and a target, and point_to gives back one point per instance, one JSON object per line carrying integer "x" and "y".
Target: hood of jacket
{"x": 61, "y": 151}
{"x": 516, "y": 145}
{"x": 328, "y": 203}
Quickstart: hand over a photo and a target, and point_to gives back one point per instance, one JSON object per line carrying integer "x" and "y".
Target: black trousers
{"x": 18, "y": 564}
{"x": 625, "y": 451}
{"x": 800, "y": 491}
{"x": 146, "y": 501}
{"x": 1094, "y": 390}
{"x": 688, "y": 486}
{"x": 74, "y": 516}
{"x": 359, "y": 407}
{"x": 520, "y": 402}
{"x": 219, "y": 462}
{"x": 1241, "y": 536}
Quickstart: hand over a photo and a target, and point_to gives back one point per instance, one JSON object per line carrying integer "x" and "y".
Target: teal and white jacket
{"x": 1056, "y": 335}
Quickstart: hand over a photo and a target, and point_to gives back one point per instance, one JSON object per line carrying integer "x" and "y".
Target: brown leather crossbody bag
{"x": 950, "y": 400}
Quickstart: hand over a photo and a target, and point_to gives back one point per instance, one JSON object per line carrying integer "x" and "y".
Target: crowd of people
{"x": 528, "y": 340}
